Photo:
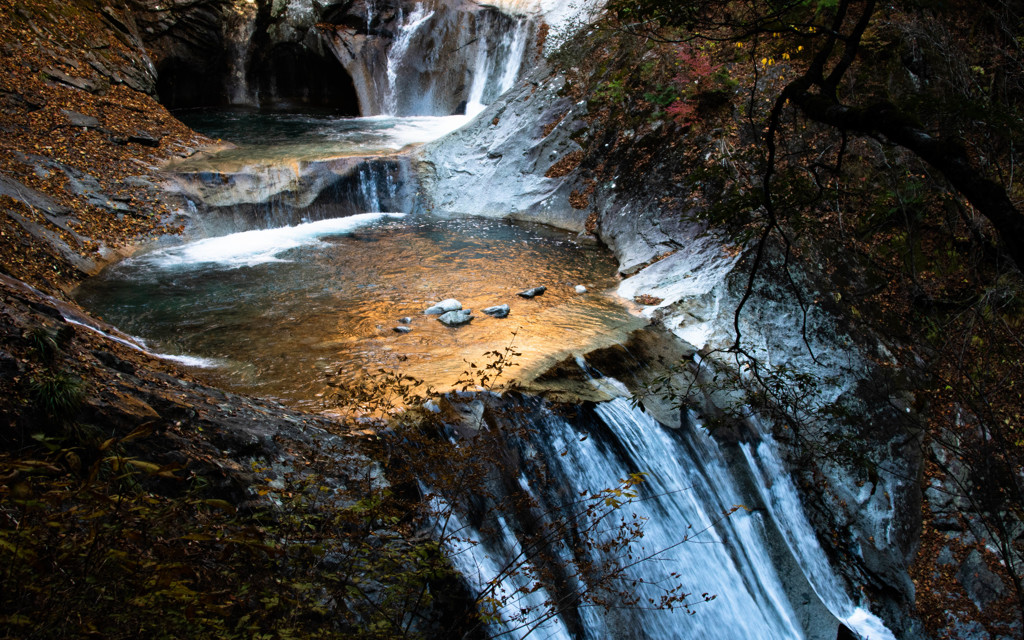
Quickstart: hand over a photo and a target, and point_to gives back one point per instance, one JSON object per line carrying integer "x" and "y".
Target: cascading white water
{"x": 484, "y": 573}
{"x": 475, "y": 100}
{"x": 396, "y": 54}
{"x": 496, "y": 66}
{"x": 780, "y": 497}
{"x": 514, "y": 56}
{"x": 376, "y": 185}
{"x": 686, "y": 491}
{"x": 239, "y": 29}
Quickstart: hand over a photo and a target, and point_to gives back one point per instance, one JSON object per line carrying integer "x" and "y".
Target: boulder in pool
{"x": 456, "y": 318}
{"x": 440, "y": 308}
{"x": 530, "y": 293}
{"x": 500, "y": 311}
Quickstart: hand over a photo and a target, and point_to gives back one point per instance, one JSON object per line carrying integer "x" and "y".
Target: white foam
{"x": 188, "y": 361}
{"x": 140, "y": 345}
{"x": 249, "y": 248}
{"x": 868, "y": 625}
{"x": 420, "y": 129}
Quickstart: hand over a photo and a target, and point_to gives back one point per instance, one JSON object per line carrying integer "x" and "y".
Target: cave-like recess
{"x": 286, "y": 77}
{"x": 289, "y": 76}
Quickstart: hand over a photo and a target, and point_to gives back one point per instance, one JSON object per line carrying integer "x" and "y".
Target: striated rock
{"x": 144, "y": 138}
{"x": 36, "y": 200}
{"x": 85, "y": 84}
{"x": 982, "y": 586}
{"x": 80, "y": 119}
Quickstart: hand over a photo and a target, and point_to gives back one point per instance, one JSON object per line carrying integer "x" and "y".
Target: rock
{"x": 85, "y": 84}
{"x": 456, "y": 318}
{"x": 144, "y": 138}
{"x": 500, "y": 311}
{"x": 34, "y": 199}
{"x": 982, "y": 586}
{"x": 80, "y": 119}
{"x": 405, "y": 320}
{"x": 580, "y": 289}
{"x": 401, "y": 329}
{"x": 450, "y": 304}
{"x": 530, "y": 293}
{"x": 87, "y": 186}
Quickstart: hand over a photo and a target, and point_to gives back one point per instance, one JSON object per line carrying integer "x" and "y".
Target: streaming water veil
{"x": 397, "y": 52}
{"x": 780, "y": 497}
{"x": 497, "y": 62}
{"x": 693, "y": 534}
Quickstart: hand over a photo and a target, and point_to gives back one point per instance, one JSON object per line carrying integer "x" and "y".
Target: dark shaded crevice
{"x": 300, "y": 74}
{"x": 290, "y": 76}
{"x": 185, "y": 84}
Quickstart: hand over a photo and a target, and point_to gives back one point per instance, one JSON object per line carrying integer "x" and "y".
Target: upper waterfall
{"x": 431, "y": 58}
{"x": 399, "y": 48}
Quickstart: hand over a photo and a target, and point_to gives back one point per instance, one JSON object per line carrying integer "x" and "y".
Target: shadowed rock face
{"x": 215, "y": 53}
{"x": 290, "y": 76}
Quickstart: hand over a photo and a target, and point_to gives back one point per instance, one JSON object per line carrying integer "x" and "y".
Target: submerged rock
{"x": 530, "y": 293}
{"x": 440, "y": 308}
{"x": 456, "y": 318}
{"x": 405, "y": 320}
{"x": 401, "y": 329}
{"x": 500, "y": 311}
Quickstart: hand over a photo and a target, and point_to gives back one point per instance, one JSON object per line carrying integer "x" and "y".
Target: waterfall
{"x": 687, "y": 490}
{"x": 780, "y": 497}
{"x": 497, "y": 70}
{"x": 376, "y": 186}
{"x": 514, "y": 56}
{"x": 239, "y": 30}
{"x": 475, "y": 100}
{"x": 396, "y": 54}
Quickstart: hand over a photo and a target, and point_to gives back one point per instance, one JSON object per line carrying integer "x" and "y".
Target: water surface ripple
{"x": 280, "y": 318}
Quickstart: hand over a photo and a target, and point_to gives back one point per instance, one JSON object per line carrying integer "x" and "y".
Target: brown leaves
{"x": 566, "y": 165}
{"x": 41, "y": 144}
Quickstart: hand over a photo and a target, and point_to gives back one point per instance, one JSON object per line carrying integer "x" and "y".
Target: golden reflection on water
{"x": 283, "y": 329}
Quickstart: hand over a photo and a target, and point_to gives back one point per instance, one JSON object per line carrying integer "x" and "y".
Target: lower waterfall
{"x": 687, "y": 493}
{"x": 693, "y": 535}
{"x": 780, "y": 498}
